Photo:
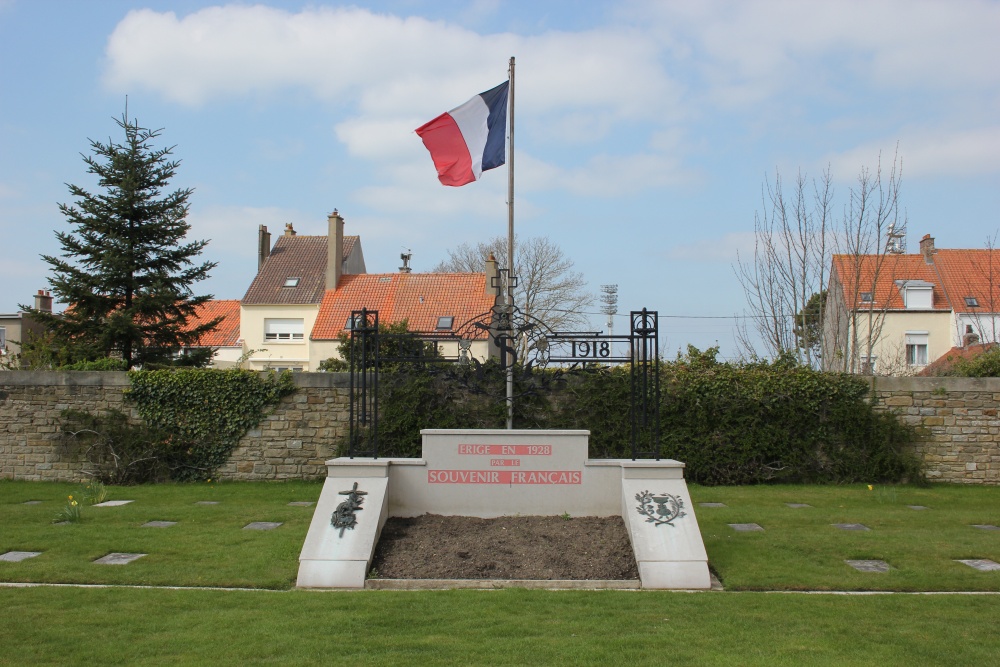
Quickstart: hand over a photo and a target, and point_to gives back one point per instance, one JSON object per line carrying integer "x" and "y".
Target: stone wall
{"x": 958, "y": 418}
{"x": 959, "y": 423}
{"x": 293, "y": 442}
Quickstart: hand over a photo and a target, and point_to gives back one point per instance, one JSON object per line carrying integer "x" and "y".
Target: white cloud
{"x": 747, "y": 50}
{"x": 723, "y": 249}
{"x": 232, "y": 230}
{"x": 388, "y": 63}
{"x": 927, "y": 153}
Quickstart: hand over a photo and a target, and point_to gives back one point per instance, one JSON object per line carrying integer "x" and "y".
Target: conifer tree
{"x": 125, "y": 271}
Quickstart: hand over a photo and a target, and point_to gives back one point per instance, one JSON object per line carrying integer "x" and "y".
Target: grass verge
{"x": 507, "y": 627}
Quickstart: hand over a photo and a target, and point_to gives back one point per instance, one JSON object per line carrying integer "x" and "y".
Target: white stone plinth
{"x": 493, "y": 473}
{"x": 330, "y": 557}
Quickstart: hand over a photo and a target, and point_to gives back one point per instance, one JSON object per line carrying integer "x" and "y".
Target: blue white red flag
{"x": 469, "y": 139}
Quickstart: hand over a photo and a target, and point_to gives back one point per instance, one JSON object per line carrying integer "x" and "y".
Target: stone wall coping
{"x": 120, "y": 379}
{"x": 64, "y": 379}
{"x": 520, "y": 432}
{"x": 637, "y": 463}
{"x": 949, "y": 384}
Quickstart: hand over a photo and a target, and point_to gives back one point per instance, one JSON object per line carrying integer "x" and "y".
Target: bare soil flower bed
{"x": 511, "y": 547}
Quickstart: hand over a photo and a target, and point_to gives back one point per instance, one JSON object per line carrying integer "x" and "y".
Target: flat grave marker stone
{"x": 745, "y": 527}
{"x": 851, "y": 526}
{"x": 918, "y": 507}
{"x": 879, "y": 566}
{"x": 262, "y": 525}
{"x": 114, "y": 503}
{"x": 982, "y": 564}
{"x": 18, "y": 556}
{"x": 797, "y": 506}
{"x": 302, "y": 503}
{"x": 712, "y": 504}
{"x": 159, "y": 524}
{"x": 117, "y": 558}
{"x": 32, "y": 502}
{"x": 207, "y": 502}
{"x": 985, "y": 526}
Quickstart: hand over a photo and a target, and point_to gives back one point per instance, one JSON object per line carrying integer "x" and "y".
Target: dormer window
{"x": 866, "y": 297}
{"x": 971, "y": 302}
{"x": 291, "y": 281}
{"x": 445, "y": 323}
{"x": 917, "y": 294}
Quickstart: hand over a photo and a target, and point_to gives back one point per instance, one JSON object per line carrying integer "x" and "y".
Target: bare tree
{"x": 788, "y": 268}
{"x": 794, "y": 237}
{"x": 865, "y": 260}
{"x": 548, "y": 288}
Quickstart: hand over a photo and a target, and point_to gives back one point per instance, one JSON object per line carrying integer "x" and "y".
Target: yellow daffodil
{"x": 870, "y": 488}
{"x": 73, "y": 503}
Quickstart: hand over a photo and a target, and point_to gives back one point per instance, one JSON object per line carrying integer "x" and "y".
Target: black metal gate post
{"x": 364, "y": 365}
{"x": 645, "y": 375}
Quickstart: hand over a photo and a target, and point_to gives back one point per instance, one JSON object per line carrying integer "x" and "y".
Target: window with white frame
{"x": 917, "y": 294}
{"x": 283, "y": 329}
{"x": 868, "y": 365}
{"x": 916, "y": 348}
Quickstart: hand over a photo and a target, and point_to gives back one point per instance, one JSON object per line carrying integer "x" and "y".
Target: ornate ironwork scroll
{"x": 518, "y": 341}
{"x": 660, "y": 509}
{"x": 345, "y": 516}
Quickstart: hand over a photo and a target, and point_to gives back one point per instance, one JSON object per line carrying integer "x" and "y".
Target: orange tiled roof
{"x": 951, "y": 357}
{"x": 302, "y": 257}
{"x": 886, "y": 293}
{"x": 955, "y": 274}
{"x": 418, "y": 298}
{"x": 970, "y": 273}
{"x": 227, "y": 334}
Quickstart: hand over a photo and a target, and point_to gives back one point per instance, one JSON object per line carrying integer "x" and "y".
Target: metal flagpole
{"x": 510, "y": 249}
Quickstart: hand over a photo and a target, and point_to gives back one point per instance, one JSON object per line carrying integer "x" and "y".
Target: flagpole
{"x": 510, "y": 248}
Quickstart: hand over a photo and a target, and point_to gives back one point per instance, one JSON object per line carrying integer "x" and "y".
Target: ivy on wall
{"x": 204, "y": 412}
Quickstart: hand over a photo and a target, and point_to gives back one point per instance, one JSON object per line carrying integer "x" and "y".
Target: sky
{"x": 645, "y": 130}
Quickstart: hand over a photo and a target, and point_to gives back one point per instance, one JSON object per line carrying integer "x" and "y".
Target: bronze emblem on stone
{"x": 661, "y": 508}
{"x": 344, "y": 516}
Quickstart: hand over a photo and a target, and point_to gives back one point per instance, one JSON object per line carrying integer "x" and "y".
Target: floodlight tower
{"x": 609, "y": 304}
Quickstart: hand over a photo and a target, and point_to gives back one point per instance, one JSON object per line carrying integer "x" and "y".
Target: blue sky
{"x": 645, "y": 129}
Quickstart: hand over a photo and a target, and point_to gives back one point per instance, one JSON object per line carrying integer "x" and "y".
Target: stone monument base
{"x": 492, "y": 473}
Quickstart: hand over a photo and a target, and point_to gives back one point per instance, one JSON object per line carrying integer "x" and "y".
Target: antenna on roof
{"x": 895, "y": 242}
{"x": 609, "y": 304}
{"x": 406, "y": 257}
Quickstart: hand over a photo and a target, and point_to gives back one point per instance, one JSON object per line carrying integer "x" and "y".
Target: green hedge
{"x": 729, "y": 423}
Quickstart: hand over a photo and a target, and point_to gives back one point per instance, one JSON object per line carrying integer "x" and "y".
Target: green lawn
{"x": 507, "y": 627}
{"x": 798, "y": 549}
{"x": 208, "y": 547}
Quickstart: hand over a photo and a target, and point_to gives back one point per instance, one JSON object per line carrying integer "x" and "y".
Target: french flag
{"x": 469, "y": 139}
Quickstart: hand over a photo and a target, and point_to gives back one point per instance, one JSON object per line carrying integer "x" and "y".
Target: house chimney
{"x": 970, "y": 339}
{"x": 492, "y": 277}
{"x": 263, "y": 245}
{"x": 289, "y": 230}
{"x": 927, "y": 248}
{"x": 334, "y": 249}
{"x": 43, "y": 301}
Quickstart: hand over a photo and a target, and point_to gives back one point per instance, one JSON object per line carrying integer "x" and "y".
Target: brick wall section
{"x": 293, "y": 442}
{"x": 959, "y": 421}
{"x": 959, "y": 418}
